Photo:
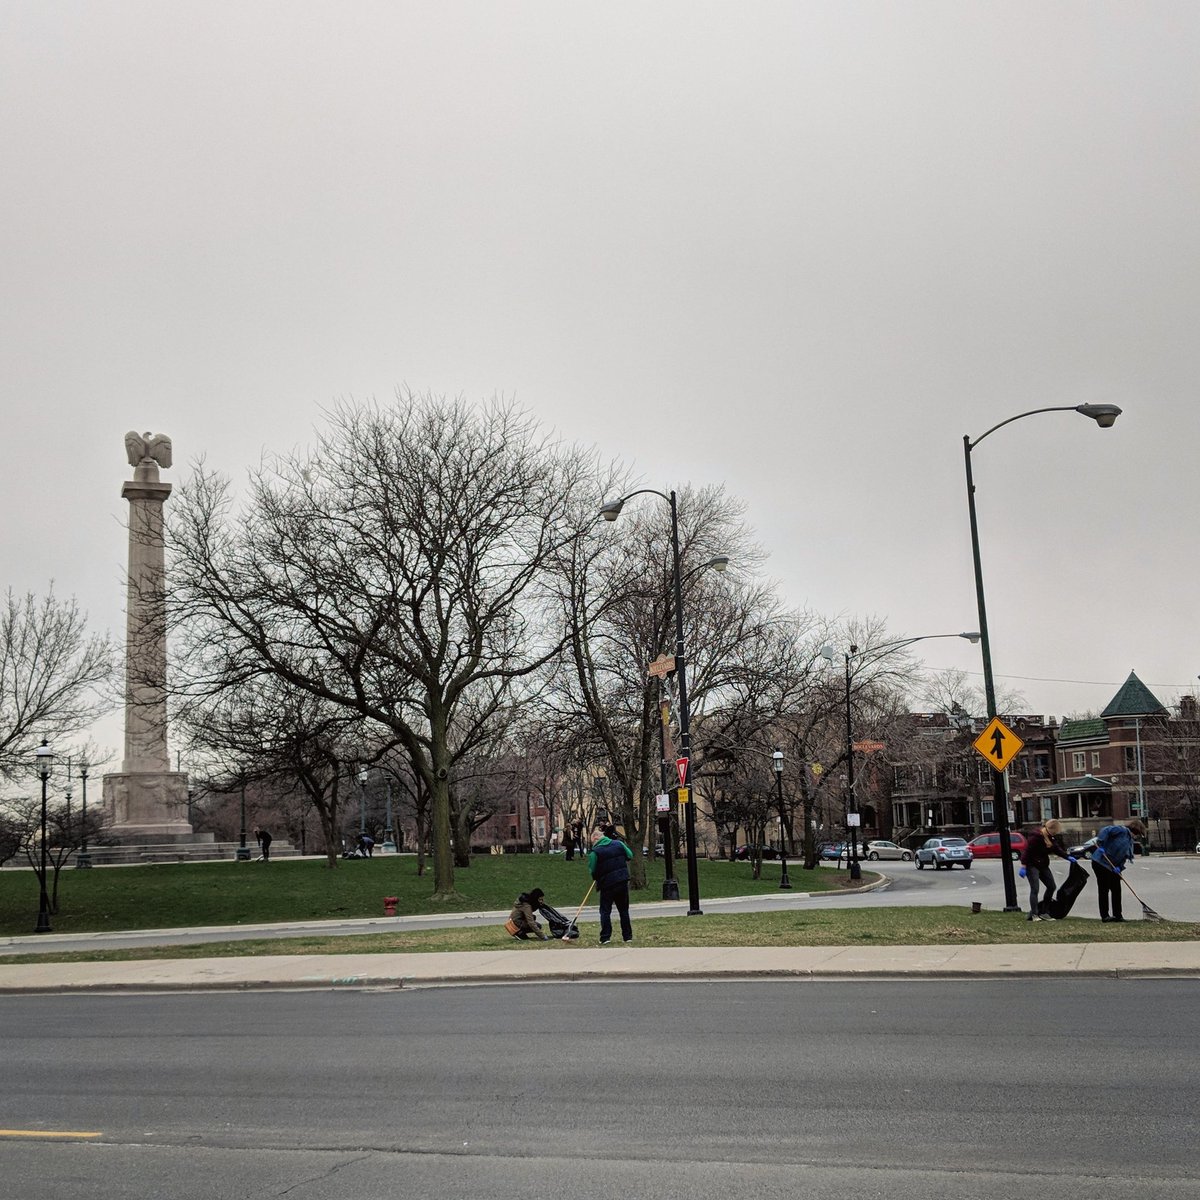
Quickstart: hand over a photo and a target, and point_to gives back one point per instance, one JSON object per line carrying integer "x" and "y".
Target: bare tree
{"x": 403, "y": 573}
{"x": 54, "y": 677}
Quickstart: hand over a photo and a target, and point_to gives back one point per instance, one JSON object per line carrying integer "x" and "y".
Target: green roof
{"x": 1091, "y": 729}
{"x": 1082, "y": 783}
{"x": 1134, "y": 699}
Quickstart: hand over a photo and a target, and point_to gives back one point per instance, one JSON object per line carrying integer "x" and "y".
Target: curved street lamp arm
{"x": 1032, "y": 412}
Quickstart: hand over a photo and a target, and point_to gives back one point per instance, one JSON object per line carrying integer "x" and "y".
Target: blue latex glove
{"x": 1116, "y": 870}
{"x": 1022, "y": 872}
{"x": 1071, "y": 859}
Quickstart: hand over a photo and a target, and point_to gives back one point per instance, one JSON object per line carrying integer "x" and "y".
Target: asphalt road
{"x": 1074, "y": 1089}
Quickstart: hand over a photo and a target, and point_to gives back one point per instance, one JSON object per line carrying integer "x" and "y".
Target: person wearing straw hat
{"x": 1113, "y": 849}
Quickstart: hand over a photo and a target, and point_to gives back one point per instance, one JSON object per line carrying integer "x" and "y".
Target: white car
{"x": 885, "y": 849}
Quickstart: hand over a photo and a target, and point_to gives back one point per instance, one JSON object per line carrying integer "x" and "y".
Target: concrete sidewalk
{"x": 558, "y": 961}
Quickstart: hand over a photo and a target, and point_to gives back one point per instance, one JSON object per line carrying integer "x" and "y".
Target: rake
{"x": 566, "y": 936}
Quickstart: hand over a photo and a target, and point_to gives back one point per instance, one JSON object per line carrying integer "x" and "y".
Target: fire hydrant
{"x": 389, "y": 906}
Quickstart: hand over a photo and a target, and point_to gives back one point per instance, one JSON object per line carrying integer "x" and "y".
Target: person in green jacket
{"x": 608, "y": 864}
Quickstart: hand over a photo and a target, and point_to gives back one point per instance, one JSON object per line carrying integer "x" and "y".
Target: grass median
{"x": 952, "y": 925}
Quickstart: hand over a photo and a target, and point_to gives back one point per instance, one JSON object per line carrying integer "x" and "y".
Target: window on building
{"x": 1078, "y": 761}
{"x": 1047, "y": 808}
{"x": 1041, "y": 766}
{"x": 987, "y": 811}
{"x": 541, "y": 827}
{"x": 1095, "y": 759}
{"x": 512, "y": 833}
{"x": 1023, "y": 768}
{"x": 1131, "y": 758}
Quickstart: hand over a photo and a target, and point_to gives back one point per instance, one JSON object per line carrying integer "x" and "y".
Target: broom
{"x": 1148, "y": 914}
{"x": 566, "y": 937}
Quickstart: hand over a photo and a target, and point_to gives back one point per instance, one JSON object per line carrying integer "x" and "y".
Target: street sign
{"x": 681, "y": 765}
{"x": 998, "y": 744}
{"x": 684, "y": 794}
{"x": 662, "y": 803}
{"x": 869, "y": 747}
{"x": 664, "y": 664}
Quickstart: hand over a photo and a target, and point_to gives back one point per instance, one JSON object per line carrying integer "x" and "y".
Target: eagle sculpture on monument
{"x": 148, "y": 447}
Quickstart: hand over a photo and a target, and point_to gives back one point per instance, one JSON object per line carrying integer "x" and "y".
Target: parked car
{"x": 987, "y": 845}
{"x": 942, "y": 852}
{"x": 881, "y": 848}
{"x": 833, "y": 850}
{"x": 1084, "y": 850}
{"x": 742, "y": 853}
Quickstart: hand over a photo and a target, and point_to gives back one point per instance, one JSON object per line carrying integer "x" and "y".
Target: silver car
{"x": 885, "y": 849}
{"x": 942, "y": 852}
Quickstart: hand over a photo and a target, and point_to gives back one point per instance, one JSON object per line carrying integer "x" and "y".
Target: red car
{"x": 987, "y": 845}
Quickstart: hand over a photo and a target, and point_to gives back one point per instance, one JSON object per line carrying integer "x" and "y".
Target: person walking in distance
{"x": 1039, "y": 845}
{"x": 1112, "y": 850}
{"x": 608, "y": 864}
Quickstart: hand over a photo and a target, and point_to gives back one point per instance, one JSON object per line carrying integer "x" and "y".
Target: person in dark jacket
{"x": 1112, "y": 850}
{"x": 521, "y": 921}
{"x": 608, "y": 864}
{"x": 263, "y": 838}
{"x": 1039, "y": 845}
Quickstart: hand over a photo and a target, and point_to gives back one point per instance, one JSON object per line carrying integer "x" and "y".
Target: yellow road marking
{"x": 46, "y": 1133}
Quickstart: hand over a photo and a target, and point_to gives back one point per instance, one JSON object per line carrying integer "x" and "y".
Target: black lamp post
{"x": 362, "y": 803}
{"x": 243, "y": 851}
{"x": 610, "y": 511}
{"x": 45, "y": 757}
{"x": 83, "y": 860}
{"x": 1104, "y": 415}
{"x": 777, "y": 761}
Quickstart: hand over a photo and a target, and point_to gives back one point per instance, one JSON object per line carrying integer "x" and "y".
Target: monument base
{"x": 147, "y": 804}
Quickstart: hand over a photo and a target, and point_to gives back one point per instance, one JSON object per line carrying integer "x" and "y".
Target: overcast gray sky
{"x": 798, "y": 248}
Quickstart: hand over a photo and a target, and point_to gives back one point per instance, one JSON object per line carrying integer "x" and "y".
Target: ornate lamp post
{"x": 83, "y": 860}
{"x": 243, "y": 851}
{"x": 1104, "y": 415}
{"x": 777, "y": 761}
{"x": 610, "y": 511}
{"x": 45, "y": 757}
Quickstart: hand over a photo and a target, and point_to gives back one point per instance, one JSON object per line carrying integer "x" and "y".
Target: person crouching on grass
{"x": 521, "y": 921}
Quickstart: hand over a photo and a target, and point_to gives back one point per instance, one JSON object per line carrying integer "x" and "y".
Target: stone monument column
{"x": 146, "y": 800}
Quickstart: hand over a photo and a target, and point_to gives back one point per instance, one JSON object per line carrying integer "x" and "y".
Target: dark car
{"x": 1085, "y": 849}
{"x": 987, "y": 845}
{"x": 742, "y": 853}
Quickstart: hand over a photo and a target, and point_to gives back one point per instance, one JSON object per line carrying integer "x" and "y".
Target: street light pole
{"x": 45, "y": 756}
{"x": 777, "y": 760}
{"x": 389, "y": 837}
{"x": 1104, "y": 415}
{"x": 610, "y": 511}
{"x": 670, "y": 887}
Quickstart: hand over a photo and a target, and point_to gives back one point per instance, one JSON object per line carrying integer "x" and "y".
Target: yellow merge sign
{"x": 998, "y": 744}
{"x": 685, "y": 794}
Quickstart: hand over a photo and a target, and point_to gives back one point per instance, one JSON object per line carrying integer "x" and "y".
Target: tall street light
{"x": 610, "y": 511}
{"x": 777, "y": 762}
{"x": 1104, "y": 415}
{"x": 827, "y": 653}
{"x": 45, "y": 757}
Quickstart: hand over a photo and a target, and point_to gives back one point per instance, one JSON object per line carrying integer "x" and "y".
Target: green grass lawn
{"x": 855, "y": 927}
{"x": 174, "y": 895}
